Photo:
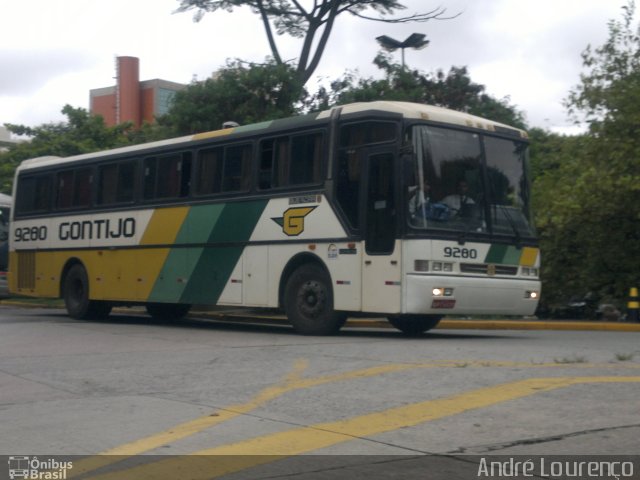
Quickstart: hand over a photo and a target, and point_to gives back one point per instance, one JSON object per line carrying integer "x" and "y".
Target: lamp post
{"x": 416, "y": 41}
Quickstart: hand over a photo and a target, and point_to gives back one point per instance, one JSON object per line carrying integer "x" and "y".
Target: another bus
{"x": 316, "y": 215}
{"x": 5, "y": 212}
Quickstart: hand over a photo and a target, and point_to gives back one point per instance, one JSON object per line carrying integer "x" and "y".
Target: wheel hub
{"x": 311, "y": 296}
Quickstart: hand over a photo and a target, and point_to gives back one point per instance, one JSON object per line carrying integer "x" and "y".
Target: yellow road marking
{"x": 186, "y": 429}
{"x": 292, "y": 381}
{"x": 259, "y": 450}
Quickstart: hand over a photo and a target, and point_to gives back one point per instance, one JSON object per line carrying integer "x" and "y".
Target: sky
{"x": 52, "y": 52}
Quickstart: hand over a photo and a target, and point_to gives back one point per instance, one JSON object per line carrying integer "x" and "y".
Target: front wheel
{"x": 414, "y": 325}
{"x": 308, "y": 302}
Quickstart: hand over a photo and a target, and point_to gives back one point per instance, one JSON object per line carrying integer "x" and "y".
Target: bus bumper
{"x": 470, "y": 296}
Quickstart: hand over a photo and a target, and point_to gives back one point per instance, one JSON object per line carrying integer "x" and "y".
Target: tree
{"x": 82, "y": 133}
{"x": 588, "y": 197}
{"x": 312, "y": 24}
{"x": 240, "y": 92}
{"x": 453, "y": 89}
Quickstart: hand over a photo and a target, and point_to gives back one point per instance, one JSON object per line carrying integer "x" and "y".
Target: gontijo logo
{"x": 292, "y": 221}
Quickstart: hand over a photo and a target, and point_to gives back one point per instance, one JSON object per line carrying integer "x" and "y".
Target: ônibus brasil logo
{"x": 33, "y": 468}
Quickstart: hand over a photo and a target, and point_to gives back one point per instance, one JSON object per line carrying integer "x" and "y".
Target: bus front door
{"x": 381, "y": 265}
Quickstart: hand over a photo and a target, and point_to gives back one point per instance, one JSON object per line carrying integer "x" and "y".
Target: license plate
{"x": 443, "y": 303}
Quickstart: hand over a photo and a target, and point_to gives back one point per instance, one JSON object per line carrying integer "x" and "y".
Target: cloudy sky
{"x": 52, "y": 52}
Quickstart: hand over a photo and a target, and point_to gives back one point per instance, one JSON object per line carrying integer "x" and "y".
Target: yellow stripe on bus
{"x": 164, "y": 226}
{"x": 216, "y": 133}
{"x": 529, "y": 256}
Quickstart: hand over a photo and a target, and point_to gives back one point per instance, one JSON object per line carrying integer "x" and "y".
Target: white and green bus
{"x": 389, "y": 209}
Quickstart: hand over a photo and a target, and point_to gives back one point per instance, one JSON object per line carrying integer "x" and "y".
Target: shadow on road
{"x": 261, "y": 324}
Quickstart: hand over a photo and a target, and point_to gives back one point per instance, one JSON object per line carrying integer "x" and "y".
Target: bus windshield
{"x": 466, "y": 182}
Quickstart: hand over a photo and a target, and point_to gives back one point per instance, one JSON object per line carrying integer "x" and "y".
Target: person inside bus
{"x": 419, "y": 197}
{"x": 460, "y": 202}
{"x": 422, "y": 208}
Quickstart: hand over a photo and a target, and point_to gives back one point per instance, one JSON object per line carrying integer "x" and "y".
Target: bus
{"x": 346, "y": 212}
{"x": 5, "y": 213}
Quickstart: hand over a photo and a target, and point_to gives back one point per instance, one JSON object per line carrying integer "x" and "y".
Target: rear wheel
{"x": 76, "y": 296}
{"x": 308, "y": 302}
{"x": 413, "y": 325}
{"x": 168, "y": 311}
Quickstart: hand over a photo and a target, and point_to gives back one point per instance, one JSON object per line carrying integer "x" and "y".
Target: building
{"x": 132, "y": 100}
{"x": 5, "y": 139}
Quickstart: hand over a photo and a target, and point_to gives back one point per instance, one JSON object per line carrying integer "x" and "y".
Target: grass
{"x": 44, "y": 302}
{"x": 624, "y": 357}
{"x": 573, "y": 359}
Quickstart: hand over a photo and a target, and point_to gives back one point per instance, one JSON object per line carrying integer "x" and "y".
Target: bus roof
{"x": 406, "y": 109}
{"x": 426, "y": 112}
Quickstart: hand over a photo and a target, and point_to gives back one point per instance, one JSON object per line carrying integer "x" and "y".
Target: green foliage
{"x": 587, "y": 188}
{"x": 454, "y": 90}
{"x": 81, "y": 133}
{"x": 238, "y": 92}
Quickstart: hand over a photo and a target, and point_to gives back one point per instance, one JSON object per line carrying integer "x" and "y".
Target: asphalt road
{"x": 127, "y": 386}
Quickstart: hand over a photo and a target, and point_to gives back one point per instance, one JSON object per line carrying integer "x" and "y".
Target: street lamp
{"x": 415, "y": 40}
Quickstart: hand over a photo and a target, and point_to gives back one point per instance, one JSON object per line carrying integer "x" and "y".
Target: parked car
{"x": 586, "y": 307}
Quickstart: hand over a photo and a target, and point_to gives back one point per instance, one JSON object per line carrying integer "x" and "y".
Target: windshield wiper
{"x": 512, "y": 224}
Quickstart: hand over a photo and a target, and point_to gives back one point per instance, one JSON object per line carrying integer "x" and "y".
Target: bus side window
{"x": 281, "y": 160}
{"x": 348, "y": 184}
{"x": 126, "y": 181}
{"x": 107, "y": 184}
{"x": 33, "y": 194}
{"x": 149, "y": 178}
{"x": 116, "y": 183}
{"x": 167, "y": 176}
{"x": 367, "y": 133}
{"x": 237, "y": 167}
{"x": 224, "y": 169}
{"x": 290, "y": 160}
{"x": 268, "y": 153}
{"x": 82, "y": 187}
{"x": 209, "y": 173}
{"x": 74, "y": 188}
{"x": 306, "y": 159}
{"x": 64, "y": 183}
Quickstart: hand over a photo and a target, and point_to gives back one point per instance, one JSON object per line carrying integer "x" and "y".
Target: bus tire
{"x": 167, "y": 311}
{"x": 414, "y": 325}
{"x": 76, "y": 296}
{"x": 308, "y": 302}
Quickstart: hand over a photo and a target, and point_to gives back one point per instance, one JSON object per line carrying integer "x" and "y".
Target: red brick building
{"x": 131, "y": 100}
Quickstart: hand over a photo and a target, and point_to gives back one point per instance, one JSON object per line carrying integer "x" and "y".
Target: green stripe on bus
{"x": 215, "y": 264}
{"x": 253, "y": 126}
{"x": 503, "y": 254}
{"x": 211, "y": 274}
{"x": 199, "y": 224}
{"x": 173, "y": 278}
{"x": 180, "y": 263}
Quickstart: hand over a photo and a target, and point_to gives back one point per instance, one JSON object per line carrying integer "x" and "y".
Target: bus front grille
{"x": 488, "y": 269}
